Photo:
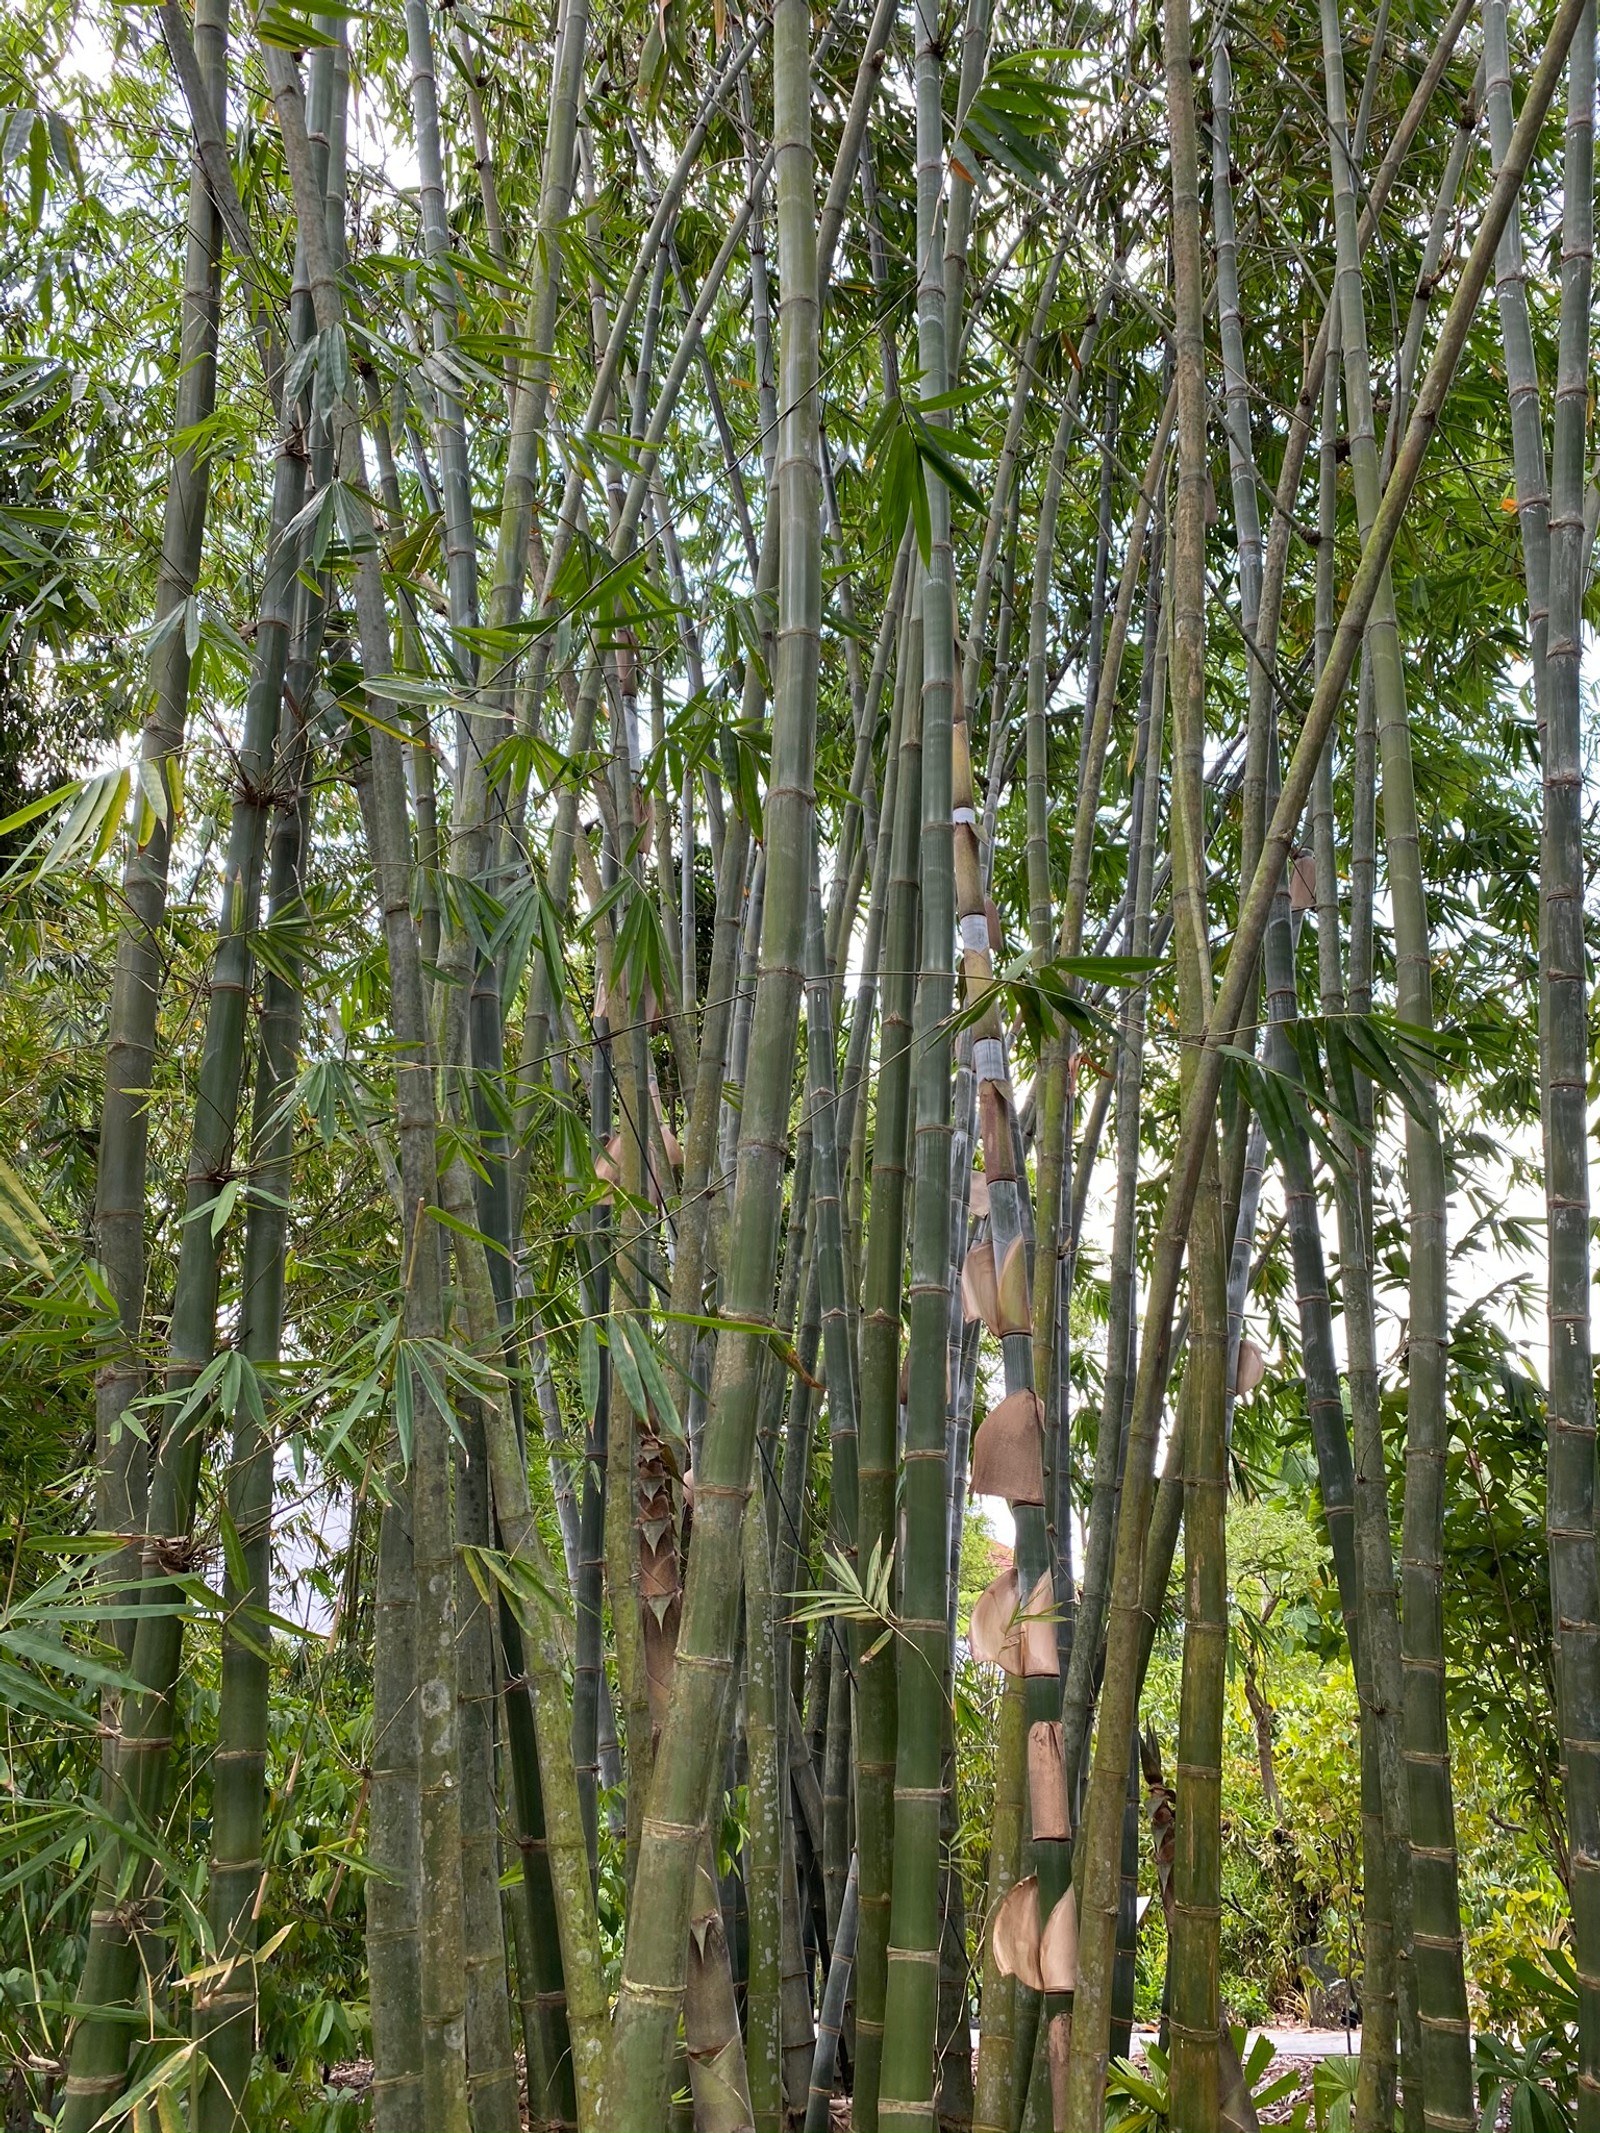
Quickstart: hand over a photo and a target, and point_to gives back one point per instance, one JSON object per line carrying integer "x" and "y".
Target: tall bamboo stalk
{"x": 883, "y": 1276}
{"x": 911, "y": 1999}
{"x": 1564, "y": 1013}
{"x": 1436, "y": 1916}
{"x": 653, "y": 1958}
{"x": 545, "y": 1655}
{"x": 1197, "y": 1868}
{"x": 764, "y": 1888}
{"x": 225, "y": 2013}
{"x": 382, "y": 792}
{"x": 1111, "y": 1451}
{"x": 1055, "y": 1067}
{"x": 1386, "y": 1879}
{"x": 142, "y": 1752}
{"x": 995, "y": 2106}
{"x": 119, "y": 1213}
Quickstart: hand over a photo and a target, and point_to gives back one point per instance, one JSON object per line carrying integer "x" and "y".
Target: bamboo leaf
{"x": 23, "y": 1225}
{"x": 589, "y": 1366}
{"x": 627, "y": 1370}
{"x": 653, "y": 1378}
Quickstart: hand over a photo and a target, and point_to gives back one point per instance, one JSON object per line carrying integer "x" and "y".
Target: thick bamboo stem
{"x": 652, "y": 1973}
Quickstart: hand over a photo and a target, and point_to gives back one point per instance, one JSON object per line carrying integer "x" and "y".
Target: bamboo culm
{"x": 653, "y": 1959}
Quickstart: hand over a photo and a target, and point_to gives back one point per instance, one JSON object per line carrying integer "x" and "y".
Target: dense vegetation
{"x": 794, "y": 1064}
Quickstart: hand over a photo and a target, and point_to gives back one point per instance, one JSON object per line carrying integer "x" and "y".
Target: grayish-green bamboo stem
{"x": 906, "y": 2087}
{"x": 1110, "y": 1452}
{"x": 1436, "y": 1914}
{"x": 121, "y": 1454}
{"x": 225, "y": 2013}
{"x": 1564, "y": 1011}
{"x": 830, "y": 2024}
{"x": 764, "y": 1853}
{"x": 1194, "y": 1971}
{"x": 883, "y": 1275}
{"x": 653, "y": 1960}
{"x": 383, "y": 797}
{"x": 142, "y": 1752}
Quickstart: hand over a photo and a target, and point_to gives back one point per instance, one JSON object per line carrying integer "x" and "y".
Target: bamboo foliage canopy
{"x": 795, "y": 1044}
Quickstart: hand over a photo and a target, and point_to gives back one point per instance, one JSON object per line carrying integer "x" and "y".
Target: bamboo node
{"x": 659, "y": 1826}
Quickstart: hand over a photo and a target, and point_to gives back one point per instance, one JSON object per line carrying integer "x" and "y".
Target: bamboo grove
{"x": 804, "y": 748}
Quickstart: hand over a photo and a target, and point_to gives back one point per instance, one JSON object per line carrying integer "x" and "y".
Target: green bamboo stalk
{"x": 1246, "y": 1140}
{"x": 962, "y": 193}
{"x": 455, "y": 478}
{"x": 382, "y": 793}
{"x": 653, "y": 1960}
{"x": 491, "y": 2072}
{"x": 490, "y": 2075}
{"x": 624, "y": 1448}
{"x": 225, "y": 2012}
{"x": 1389, "y": 1987}
{"x": 830, "y": 2023}
{"x": 1056, "y": 1064}
{"x": 906, "y": 2086}
{"x": 543, "y": 1621}
{"x": 715, "y": 2047}
{"x": 847, "y": 1392}
{"x": 393, "y": 1829}
{"x": 1530, "y": 471}
{"x": 542, "y": 1988}
{"x": 572, "y": 514}
{"x": 882, "y": 1289}
{"x": 142, "y": 1753}
{"x": 744, "y": 1001}
{"x": 1124, "y": 1978}
{"x": 798, "y": 1911}
{"x": 119, "y": 1212}
{"x": 541, "y": 1982}
{"x": 843, "y": 1433}
{"x": 852, "y": 137}
{"x": 1003, "y": 496}
{"x": 1385, "y": 1850}
{"x": 440, "y": 1933}
{"x": 756, "y": 173}
{"x": 836, "y": 1762}
{"x": 1044, "y": 561}
{"x": 590, "y": 1690}
{"x": 1439, "y": 227}
{"x": 1104, "y": 507}
{"x": 1197, "y": 1870}
{"x": 1259, "y": 652}
{"x": 547, "y": 2042}
{"x": 1436, "y": 1920}
{"x": 763, "y": 1873}
{"x": 994, "y": 2108}
{"x": 1564, "y": 1012}
{"x": 1010, "y": 1226}
{"x": 1554, "y": 544}
{"x": 1102, "y": 1818}
{"x": 694, "y": 1214}
{"x": 1121, "y": 1338}
{"x": 394, "y": 1819}
{"x": 953, "y": 2082}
